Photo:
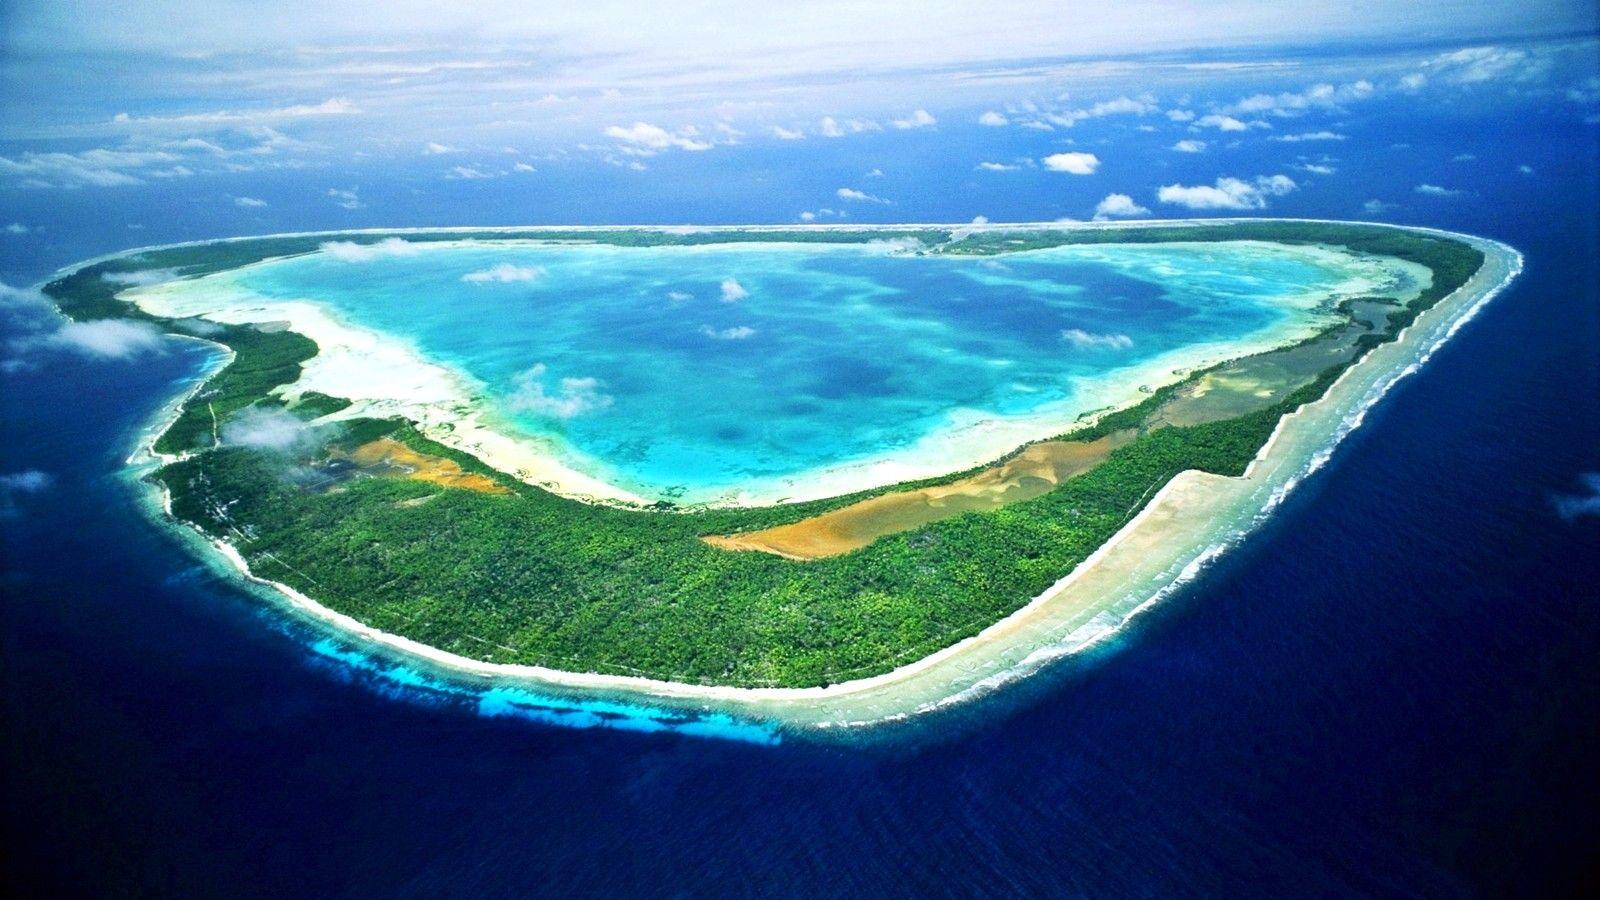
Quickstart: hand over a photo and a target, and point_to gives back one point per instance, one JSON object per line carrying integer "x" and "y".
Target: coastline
{"x": 1192, "y": 519}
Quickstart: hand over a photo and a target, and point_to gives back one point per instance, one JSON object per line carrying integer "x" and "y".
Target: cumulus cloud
{"x": 1293, "y": 103}
{"x": 737, "y": 333}
{"x": 107, "y": 338}
{"x": 1189, "y": 145}
{"x": 249, "y": 202}
{"x": 351, "y": 251}
{"x": 17, "y": 228}
{"x": 993, "y": 119}
{"x": 268, "y": 428}
{"x": 503, "y": 273}
{"x": 1228, "y": 193}
{"x": 845, "y": 193}
{"x": 920, "y": 118}
{"x": 140, "y": 278}
{"x": 1180, "y": 115}
{"x": 643, "y": 135}
{"x": 996, "y": 167}
{"x": 1434, "y": 190}
{"x": 1376, "y": 206}
{"x": 731, "y": 291}
{"x": 348, "y": 199}
{"x": 833, "y": 128}
{"x": 1221, "y": 123}
{"x": 1308, "y": 136}
{"x": 1571, "y": 506}
{"x": 434, "y": 148}
{"x": 1074, "y": 163}
{"x": 1086, "y": 340}
{"x": 1317, "y": 168}
{"x": 571, "y": 396}
{"x": 787, "y": 134}
{"x": 1118, "y": 205}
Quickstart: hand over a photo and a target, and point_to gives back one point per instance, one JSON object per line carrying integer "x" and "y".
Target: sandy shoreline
{"x": 385, "y": 376}
{"x": 1188, "y": 522}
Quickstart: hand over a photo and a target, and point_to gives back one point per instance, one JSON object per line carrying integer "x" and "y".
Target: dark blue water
{"x": 1390, "y": 689}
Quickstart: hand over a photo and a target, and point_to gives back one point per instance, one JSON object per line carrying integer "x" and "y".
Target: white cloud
{"x": 1308, "y": 136}
{"x": 503, "y": 273}
{"x": 1180, "y": 115}
{"x": 736, "y": 333}
{"x": 469, "y": 173}
{"x": 571, "y": 397}
{"x": 1317, "y": 168}
{"x": 1525, "y": 169}
{"x": 348, "y": 199}
{"x": 833, "y": 128}
{"x": 996, "y": 167}
{"x": 1086, "y": 340}
{"x": 17, "y": 228}
{"x": 108, "y": 338}
{"x": 101, "y": 167}
{"x": 523, "y": 167}
{"x": 1118, "y": 205}
{"x": 1190, "y": 145}
{"x": 1413, "y": 82}
{"x": 1134, "y": 106}
{"x": 920, "y": 118}
{"x": 845, "y": 193}
{"x": 1473, "y": 65}
{"x": 333, "y": 106}
{"x": 787, "y": 134}
{"x": 1463, "y": 157}
{"x": 351, "y": 251}
{"x": 732, "y": 291}
{"x": 1375, "y": 206}
{"x": 1434, "y": 190}
{"x": 808, "y": 216}
{"x": 1227, "y": 193}
{"x": 1074, "y": 163}
{"x": 265, "y": 429}
{"x": 679, "y": 296}
{"x": 1319, "y": 96}
{"x": 873, "y": 173}
{"x": 249, "y": 202}
{"x": 1222, "y": 123}
{"x": 654, "y": 137}
{"x": 141, "y": 277}
{"x": 992, "y": 119}
{"x": 434, "y": 148}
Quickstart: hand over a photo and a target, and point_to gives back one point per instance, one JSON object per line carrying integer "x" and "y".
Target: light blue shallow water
{"x": 687, "y": 372}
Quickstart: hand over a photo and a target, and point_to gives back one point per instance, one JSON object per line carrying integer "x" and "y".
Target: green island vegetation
{"x": 526, "y": 576}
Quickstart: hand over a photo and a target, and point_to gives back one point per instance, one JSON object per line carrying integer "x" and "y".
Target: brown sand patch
{"x": 388, "y": 457}
{"x": 1032, "y": 472}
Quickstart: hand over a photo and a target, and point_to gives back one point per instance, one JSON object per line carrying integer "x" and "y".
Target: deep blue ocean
{"x": 1390, "y": 689}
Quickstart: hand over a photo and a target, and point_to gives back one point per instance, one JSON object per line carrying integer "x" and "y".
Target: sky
{"x": 131, "y": 123}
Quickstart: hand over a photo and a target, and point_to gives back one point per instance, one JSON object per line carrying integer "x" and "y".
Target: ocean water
{"x": 1390, "y": 689}
{"x": 696, "y": 372}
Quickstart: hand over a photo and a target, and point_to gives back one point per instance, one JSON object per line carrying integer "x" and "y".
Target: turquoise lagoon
{"x": 706, "y": 373}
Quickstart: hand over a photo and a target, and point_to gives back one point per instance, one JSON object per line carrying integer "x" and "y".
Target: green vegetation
{"x": 530, "y": 577}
